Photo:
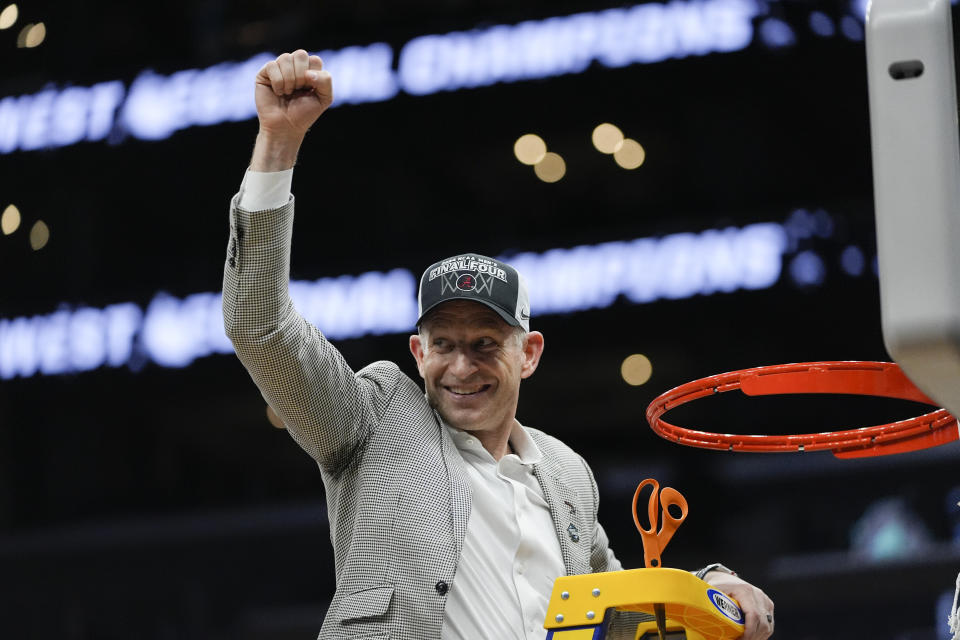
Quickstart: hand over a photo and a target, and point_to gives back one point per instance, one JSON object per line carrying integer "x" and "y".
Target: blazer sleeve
{"x": 328, "y": 409}
{"x": 601, "y": 555}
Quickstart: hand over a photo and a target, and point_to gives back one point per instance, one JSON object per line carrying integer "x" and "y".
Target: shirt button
{"x": 442, "y": 588}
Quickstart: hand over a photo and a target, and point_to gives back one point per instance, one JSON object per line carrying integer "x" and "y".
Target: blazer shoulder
{"x": 381, "y": 370}
{"x": 387, "y": 375}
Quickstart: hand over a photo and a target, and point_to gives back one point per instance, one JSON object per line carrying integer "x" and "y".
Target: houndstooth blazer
{"x": 398, "y": 494}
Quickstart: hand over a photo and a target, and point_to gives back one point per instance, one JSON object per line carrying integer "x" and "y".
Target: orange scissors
{"x": 654, "y": 542}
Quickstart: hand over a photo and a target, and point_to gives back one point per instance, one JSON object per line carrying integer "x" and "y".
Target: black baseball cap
{"x": 471, "y": 276}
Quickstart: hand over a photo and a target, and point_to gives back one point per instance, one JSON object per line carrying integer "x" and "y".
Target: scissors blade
{"x": 660, "y": 612}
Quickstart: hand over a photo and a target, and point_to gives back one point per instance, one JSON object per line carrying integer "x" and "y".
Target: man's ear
{"x": 532, "y": 350}
{"x": 416, "y": 348}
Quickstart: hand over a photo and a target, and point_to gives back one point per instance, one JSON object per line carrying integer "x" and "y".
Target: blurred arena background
{"x": 144, "y": 491}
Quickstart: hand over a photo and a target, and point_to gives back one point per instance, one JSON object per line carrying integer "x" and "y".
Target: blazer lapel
{"x": 461, "y": 491}
{"x": 569, "y": 521}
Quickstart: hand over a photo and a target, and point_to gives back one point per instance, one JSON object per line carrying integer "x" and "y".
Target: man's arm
{"x": 327, "y": 409}
{"x": 601, "y": 555}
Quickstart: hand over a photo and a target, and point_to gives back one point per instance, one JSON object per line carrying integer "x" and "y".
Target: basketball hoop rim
{"x": 882, "y": 379}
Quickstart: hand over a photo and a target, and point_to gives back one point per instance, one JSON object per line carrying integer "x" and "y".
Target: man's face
{"x": 472, "y": 362}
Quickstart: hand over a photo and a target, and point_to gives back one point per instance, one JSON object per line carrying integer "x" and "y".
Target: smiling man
{"x": 449, "y": 519}
{"x": 475, "y": 345}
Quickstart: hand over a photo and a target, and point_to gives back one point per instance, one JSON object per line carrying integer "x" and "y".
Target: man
{"x": 449, "y": 520}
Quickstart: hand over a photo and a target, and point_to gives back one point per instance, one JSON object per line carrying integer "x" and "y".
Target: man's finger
{"x": 270, "y": 74}
{"x": 322, "y": 84}
{"x": 285, "y": 63}
{"x": 759, "y": 621}
{"x": 765, "y": 628}
{"x": 315, "y": 63}
{"x": 300, "y": 65}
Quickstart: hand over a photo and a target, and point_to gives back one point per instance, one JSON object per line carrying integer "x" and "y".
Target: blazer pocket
{"x": 367, "y": 603}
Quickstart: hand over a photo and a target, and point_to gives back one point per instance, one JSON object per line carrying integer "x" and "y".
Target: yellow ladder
{"x": 581, "y": 607}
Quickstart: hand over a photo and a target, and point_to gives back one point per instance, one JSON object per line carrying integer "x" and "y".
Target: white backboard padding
{"x": 916, "y": 177}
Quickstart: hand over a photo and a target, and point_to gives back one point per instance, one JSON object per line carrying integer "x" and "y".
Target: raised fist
{"x": 291, "y": 93}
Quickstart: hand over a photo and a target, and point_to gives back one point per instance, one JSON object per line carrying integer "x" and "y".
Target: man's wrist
{"x": 274, "y": 152}
{"x": 716, "y": 566}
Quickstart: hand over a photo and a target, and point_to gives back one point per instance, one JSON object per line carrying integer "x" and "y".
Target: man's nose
{"x": 463, "y": 365}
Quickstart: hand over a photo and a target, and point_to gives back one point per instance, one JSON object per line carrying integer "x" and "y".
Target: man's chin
{"x": 451, "y": 415}
{"x": 464, "y": 423}
{"x": 460, "y": 419}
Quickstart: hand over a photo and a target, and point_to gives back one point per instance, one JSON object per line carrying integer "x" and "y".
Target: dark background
{"x": 161, "y": 503}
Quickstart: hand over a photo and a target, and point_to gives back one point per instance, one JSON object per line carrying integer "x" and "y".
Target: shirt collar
{"x": 523, "y": 445}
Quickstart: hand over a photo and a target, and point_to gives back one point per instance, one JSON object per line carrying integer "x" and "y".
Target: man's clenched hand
{"x": 290, "y": 92}
{"x": 756, "y": 606}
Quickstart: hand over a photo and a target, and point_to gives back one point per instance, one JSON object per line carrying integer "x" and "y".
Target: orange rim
{"x": 884, "y": 379}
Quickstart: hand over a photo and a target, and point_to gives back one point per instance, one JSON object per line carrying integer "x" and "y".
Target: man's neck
{"x": 497, "y": 441}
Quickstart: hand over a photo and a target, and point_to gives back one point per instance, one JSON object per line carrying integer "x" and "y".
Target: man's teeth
{"x": 466, "y": 391}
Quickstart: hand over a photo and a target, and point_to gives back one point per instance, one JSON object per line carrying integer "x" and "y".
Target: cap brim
{"x": 509, "y": 319}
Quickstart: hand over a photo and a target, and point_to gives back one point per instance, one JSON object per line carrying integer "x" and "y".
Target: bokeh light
{"x": 630, "y": 155}
{"x": 853, "y": 261}
{"x": 39, "y": 235}
{"x": 10, "y": 220}
{"x": 636, "y": 369}
{"x": 551, "y": 168}
{"x": 530, "y": 148}
{"x": 31, "y": 35}
{"x": 821, "y": 24}
{"x": 35, "y": 35}
{"x": 607, "y": 138}
{"x": 8, "y": 16}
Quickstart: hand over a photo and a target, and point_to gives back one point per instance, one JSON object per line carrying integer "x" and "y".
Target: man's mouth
{"x": 464, "y": 391}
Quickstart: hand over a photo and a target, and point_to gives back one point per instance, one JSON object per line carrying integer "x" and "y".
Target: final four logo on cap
{"x": 466, "y": 282}
{"x": 471, "y": 276}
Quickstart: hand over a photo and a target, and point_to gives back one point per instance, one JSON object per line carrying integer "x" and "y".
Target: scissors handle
{"x": 654, "y": 540}
{"x": 651, "y": 514}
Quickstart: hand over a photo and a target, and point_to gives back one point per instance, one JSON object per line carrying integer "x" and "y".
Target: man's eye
{"x": 485, "y": 343}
